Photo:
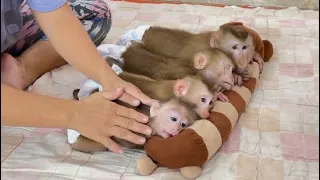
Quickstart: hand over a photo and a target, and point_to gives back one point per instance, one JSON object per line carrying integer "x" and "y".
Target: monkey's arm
{"x": 259, "y": 60}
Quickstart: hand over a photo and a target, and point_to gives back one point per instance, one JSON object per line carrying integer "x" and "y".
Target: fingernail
{"x": 136, "y": 102}
{"x": 120, "y": 151}
{"x": 119, "y": 89}
{"x": 149, "y": 131}
{"x": 142, "y": 140}
{"x": 145, "y": 119}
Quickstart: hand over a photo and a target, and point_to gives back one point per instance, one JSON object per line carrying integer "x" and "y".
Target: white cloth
{"x": 133, "y": 35}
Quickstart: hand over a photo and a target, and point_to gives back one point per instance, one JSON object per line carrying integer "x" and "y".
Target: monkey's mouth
{"x": 164, "y": 134}
{"x": 168, "y": 135}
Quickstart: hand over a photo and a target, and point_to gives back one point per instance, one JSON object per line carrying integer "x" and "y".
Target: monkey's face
{"x": 221, "y": 73}
{"x": 240, "y": 51}
{"x": 201, "y": 98}
{"x": 171, "y": 120}
{"x": 204, "y": 106}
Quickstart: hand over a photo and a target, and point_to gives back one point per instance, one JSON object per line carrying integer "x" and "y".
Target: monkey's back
{"x": 161, "y": 90}
{"x": 140, "y": 61}
{"x": 174, "y": 43}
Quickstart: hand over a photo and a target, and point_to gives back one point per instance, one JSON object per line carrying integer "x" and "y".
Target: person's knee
{"x": 91, "y": 10}
{"x": 96, "y": 19}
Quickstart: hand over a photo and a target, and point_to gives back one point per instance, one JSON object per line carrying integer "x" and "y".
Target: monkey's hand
{"x": 222, "y": 97}
{"x": 245, "y": 74}
{"x": 237, "y": 79}
{"x": 259, "y": 60}
{"x": 218, "y": 88}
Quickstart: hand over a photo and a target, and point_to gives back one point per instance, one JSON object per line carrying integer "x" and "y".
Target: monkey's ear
{"x": 200, "y": 61}
{"x": 180, "y": 88}
{"x": 215, "y": 38}
{"x": 154, "y": 109}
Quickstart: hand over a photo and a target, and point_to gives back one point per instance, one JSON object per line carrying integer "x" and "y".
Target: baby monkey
{"x": 167, "y": 119}
{"x": 190, "y": 89}
{"x": 233, "y": 40}
{"x": 213, "y": 66}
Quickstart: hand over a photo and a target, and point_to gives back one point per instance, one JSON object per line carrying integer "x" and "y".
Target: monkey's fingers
{"x": 259, "y": 60}
{"x": 237, "y": 79}
{"x": 260, "y": 63}
{"x": 127, "y": 135}
{"x": 261, "y": 66}
{"x": 110, "y": 144}
{"x": 222, "y": 97}
{"x": 219, "y": 88}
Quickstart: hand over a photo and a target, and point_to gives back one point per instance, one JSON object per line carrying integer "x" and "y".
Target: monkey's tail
{"x": 75, "y": 94}
{"x": 268, "y": 50}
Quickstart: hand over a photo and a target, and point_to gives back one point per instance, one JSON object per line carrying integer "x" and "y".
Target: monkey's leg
{"x": 86, "y": 145}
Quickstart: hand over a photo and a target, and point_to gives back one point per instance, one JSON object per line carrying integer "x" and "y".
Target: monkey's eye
{"x": 183, "y": 125}
{"x": 203, "y": 99}
{"x": 173, "y": 119}
{"x": 244, "y": 47}
{"x": 211, "y": 102}
{"x": 234, "y": 47}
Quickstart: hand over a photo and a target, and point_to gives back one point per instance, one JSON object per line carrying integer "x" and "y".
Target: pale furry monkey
{"x": 167, "y": 119}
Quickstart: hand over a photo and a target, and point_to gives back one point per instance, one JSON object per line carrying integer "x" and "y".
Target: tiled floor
{"x": 306, "y": 4}
{"x": 277, "y": 138}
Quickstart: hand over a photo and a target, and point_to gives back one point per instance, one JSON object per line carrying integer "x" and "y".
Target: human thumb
{"x": 113, "y": 95}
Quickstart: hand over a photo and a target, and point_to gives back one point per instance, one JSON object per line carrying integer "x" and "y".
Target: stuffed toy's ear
{"x": 268, "y": 50}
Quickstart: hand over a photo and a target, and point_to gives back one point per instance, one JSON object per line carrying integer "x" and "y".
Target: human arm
{"x": 94, "y": 117}
{"x": 21, "y": 108}
{"x": 71, "y": 41}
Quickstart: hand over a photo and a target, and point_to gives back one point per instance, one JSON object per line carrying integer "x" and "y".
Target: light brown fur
{"x": 209, "y": 64}
{"x": 176, "y": 43}
{"x": 192, "y": 88}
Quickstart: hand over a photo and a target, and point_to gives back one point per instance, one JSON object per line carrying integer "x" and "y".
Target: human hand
{"x": 132, "y": 95}
{"x": 99, "y": 119}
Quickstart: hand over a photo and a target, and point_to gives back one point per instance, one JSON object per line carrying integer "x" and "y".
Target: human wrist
{"x": 107, "y": 77}
{"x": 73, "y": 114}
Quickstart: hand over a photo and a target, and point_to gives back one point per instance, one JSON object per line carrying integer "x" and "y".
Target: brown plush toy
{"x": 194, "y": 146}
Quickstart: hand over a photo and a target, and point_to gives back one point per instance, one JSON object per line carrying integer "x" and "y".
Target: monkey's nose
{"x": 205, "y": 115}
{"x": 175, "y": 128}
